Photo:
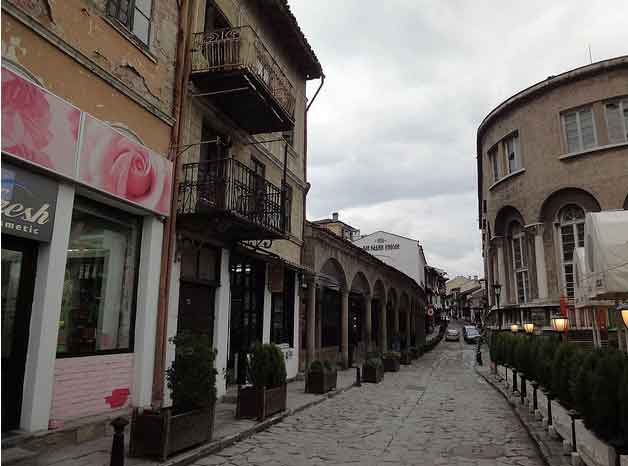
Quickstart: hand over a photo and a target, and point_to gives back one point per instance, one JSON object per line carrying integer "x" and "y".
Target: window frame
{"x": 493, "y": 158}
{"x": 623, "y": 106}
{"x": 517, "y": 240}
{"x": 577, "y": 240}
{"x": 578, "y": 111}
{"x": 514, "y": 137}
{"x": 102, "y": 211}
{"x": 128, "y": 26}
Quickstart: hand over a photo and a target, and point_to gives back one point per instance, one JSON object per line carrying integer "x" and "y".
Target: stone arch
{"x": 555, "y": 202}
{"x": 360, "y": 284}
{"x": 333, "y": 274}
{"x": 404, "y": 301}
{"x": 379, "y": 291}
{"x": 504, "y": 218}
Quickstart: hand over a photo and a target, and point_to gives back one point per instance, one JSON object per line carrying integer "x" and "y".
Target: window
{"x": 520, "y": 263}
{"x": 288, "y": 208}
{"x": 571, "y": 236}
{"x": 579, "y": 130}
{"x": 134, "y": 15}
{"x": 617, "y": 121}
{"x": 282, "y": 313}
{"x": 100, "y": 283}
{"x": 511, "y": 150}
{"x": 492, "y": 155}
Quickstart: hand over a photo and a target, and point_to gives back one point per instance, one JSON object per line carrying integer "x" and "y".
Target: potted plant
{"x": 391, "y": 361}
{"x": 320, "y": 377}
{"x": 406, "y": 357}
{"x": 372, "y": 370}
{"x": 190, "y": 421}
{"x": 266, "y": 395}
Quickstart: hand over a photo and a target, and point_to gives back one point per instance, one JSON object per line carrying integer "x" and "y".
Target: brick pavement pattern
{"x": 436, "y": 412}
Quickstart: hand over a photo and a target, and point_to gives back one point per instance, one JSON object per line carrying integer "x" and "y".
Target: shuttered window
{"x": 617, "y": 121}
{"x": 579, "y": 129}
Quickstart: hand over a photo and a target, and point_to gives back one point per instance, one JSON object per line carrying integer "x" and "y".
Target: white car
{"x": 452, "y": 335}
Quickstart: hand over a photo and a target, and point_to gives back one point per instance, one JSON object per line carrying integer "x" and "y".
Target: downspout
{"x": 179, "y": 94}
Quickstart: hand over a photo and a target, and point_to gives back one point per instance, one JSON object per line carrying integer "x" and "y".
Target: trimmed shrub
{"x": 582, "y": 389}
{"x": 564, "y": 367}
{"x": 268, "y": 368}
{"x": 605, "y": 397}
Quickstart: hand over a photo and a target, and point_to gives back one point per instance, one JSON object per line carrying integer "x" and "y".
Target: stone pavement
{"x": 438, "y": 411}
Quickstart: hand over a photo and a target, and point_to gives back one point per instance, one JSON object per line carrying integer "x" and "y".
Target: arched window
{"x": 520, "y": 262}
{"x": 571, "y": 218}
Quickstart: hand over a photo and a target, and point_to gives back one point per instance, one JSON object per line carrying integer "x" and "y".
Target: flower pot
{"x": 592, "y": 450}
{"x": 372, "y": 374}
{"x": 260, "y": 402}
{"x": 161, "y": 433}
{"x": 320, "y": 382}
{"x": 391, "y": 364}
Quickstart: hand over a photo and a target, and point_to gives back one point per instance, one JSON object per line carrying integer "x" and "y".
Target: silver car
{"x": 452, "y": 335}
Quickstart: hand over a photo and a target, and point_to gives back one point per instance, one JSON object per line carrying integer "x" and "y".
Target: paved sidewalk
{"x": 227, "y": 430}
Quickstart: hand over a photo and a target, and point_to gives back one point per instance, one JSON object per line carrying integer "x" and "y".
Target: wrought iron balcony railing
{"x": 225, "y": 50}
{"x": 228, "y": 186}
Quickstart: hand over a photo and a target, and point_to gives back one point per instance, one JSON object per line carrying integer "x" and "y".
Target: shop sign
{"x": 28, "y": 204}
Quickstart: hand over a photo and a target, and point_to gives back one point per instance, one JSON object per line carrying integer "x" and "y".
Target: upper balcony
{"x": 227, "y": 199}
{"x": 233, "y": 68}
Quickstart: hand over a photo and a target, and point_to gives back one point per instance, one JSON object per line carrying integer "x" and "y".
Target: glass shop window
{"x": 100, "y": 286}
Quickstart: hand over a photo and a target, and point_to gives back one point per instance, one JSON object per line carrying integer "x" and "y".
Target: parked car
{"x": 471, "y": 334}
{"x": 452, "y": 335}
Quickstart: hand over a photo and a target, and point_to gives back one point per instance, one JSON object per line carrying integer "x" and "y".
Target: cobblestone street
{"x": 437, "y": 411}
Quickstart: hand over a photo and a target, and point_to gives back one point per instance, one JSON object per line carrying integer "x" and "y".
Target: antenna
{"x": 590, "y": 56}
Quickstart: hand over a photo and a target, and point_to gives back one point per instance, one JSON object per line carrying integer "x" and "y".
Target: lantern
{"x": 560, "y": 323}
{"x": 528, "y": 327}
{"x": 514, "y": 328}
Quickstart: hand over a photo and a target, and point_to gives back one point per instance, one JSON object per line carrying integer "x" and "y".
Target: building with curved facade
{"x": 546, "y": 156}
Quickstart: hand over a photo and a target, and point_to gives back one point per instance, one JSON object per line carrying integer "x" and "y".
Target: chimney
{"x": 334, "y": 216}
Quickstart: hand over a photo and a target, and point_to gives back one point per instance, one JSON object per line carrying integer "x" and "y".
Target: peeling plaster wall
{"x": 112, "y": 53}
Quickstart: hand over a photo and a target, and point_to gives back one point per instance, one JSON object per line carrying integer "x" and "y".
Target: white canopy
{"x": 606, "y": 254}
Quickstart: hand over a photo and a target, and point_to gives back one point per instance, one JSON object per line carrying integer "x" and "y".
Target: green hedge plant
{"x": 267, "y": 366}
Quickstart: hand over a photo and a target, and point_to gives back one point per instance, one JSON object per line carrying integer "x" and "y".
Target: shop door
{"x": 196, "y": 309}
{"x": 247, "y": 306}
{"x": 18, "y": 279}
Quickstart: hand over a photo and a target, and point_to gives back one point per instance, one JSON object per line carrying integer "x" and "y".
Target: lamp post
{"x": 497, "y": 289}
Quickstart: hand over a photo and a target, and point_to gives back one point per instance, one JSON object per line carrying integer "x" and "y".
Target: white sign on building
{"x": 402, "y": 253}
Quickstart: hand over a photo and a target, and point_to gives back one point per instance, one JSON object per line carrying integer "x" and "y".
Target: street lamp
{"x": 623, "y": 310}
{"x": 514, "y": 328}
{"x": 497, "y": 289}
{"x": 560, "y": 323}
{"x": 529, "y": 327}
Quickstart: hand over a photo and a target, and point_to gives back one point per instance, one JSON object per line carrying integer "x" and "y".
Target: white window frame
{"x": 514, "y": 137}
{"x": 493, "y": 159}
{"x": 579, "y": 125}
{"x": 623, "y": 105}
{"x": 563, "y": 264}
{"x": 517, "y": 240}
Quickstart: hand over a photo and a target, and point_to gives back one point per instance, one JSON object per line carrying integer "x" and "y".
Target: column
{"x": 383, "y": 325}
{"x": 344, "y": 326}
{"x": 368, "y": 320}
{"x": 539, "y": 256}
{"x": 222, "y": 313}
{"x": 311, "y": 321}
{"x": 395, "y": 311}
{"x": 408, "y": 332}
{"x": 44, "y": 325}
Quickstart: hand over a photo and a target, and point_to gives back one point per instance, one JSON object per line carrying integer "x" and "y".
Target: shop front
{"x": 82, "y": 225}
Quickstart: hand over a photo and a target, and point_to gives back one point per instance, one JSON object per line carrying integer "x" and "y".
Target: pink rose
{"x": 126, "y": 169}
{"x": 26, "y": 119}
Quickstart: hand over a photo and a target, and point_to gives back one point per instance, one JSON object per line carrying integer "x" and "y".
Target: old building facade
{"x": 545, "y": 157}
{"x": 88, "y": 108}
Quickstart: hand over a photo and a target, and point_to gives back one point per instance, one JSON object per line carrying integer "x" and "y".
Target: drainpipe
{"x": 179, "y": 95}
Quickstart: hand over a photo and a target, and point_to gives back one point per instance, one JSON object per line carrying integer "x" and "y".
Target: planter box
{"x": 372, "y": 374}
{"x": 529, "y": 394}
{"x": 623, "y": 460}
{"x": 541, "y": 399}
{"x": 561, "y": 421}
{"x": 592, "y": 450}
{"x": 320, "y": 382}
{"x": 260, "y": 403}
{"x": 391, "y": 364}
{"x": 161, "y": 433}
{"x": 406, "y": 358}
{"x": 501, "y": 371}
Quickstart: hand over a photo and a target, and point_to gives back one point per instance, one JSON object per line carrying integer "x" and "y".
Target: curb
{"x": 189, "y": 457}
{"x": 539, "y": 442}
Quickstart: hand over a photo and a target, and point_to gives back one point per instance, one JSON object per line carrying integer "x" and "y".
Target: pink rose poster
{"x": 114, "y": 163}
{"x": 38, "y": 126}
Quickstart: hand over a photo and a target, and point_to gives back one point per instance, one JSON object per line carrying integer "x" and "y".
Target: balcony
{"x": 234, "y": 69}
{"x": 227, "y": 199}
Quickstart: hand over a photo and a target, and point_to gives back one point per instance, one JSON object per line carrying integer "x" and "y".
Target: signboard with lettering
{"x": 28, "y": 203}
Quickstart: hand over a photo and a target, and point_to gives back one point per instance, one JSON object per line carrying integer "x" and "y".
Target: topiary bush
{"x": 374, "y": 363}
{"x": 267, "y": 366}
{"x": 582, "y": 389}
{"x": 316, "y": 366}
{"x": 192, "y": 376}
{"x": 606, "y": 393}
{"x": 562, "y": 369}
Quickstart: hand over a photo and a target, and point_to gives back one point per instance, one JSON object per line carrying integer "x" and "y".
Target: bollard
{"x": 117, "y": 447}
{"x": 514, "y": 380}
{"x": 358, "y": 379}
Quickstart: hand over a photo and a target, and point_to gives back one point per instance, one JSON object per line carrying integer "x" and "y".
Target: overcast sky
{"x": 391, "y": 137}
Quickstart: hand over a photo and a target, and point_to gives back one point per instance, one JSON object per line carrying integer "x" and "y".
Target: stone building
{"x": 338, "y": 227}
{"x": 546, "y": 156}
{"x": 88, "y": 108}
{"x": 241, "y": 161}
{"x": 354, "y": 302}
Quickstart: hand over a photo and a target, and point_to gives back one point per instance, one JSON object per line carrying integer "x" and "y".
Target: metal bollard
{"x": 117, "y": 447}
{"x": 358, "y": 378}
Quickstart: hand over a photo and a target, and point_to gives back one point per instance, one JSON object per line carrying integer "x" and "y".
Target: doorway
{"x": 18, "y": 280}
